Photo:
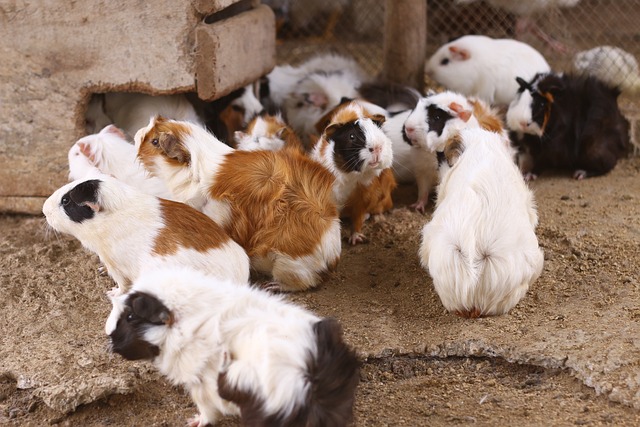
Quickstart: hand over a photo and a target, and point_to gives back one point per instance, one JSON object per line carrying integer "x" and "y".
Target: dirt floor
{"x": 568, "y": 354}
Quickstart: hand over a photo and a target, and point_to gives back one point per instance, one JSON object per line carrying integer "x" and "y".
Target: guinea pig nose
{"x": 524, "y": 124}
{"x": 409, "y": 130}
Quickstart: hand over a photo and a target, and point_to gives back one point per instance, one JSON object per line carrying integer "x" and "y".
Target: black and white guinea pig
{"x": 249, "y": 353}
{"x": 132, "y": 231}
{"x": 563, "y": 121}
{"x": 353, "y": 147}
{"x": 483, "y": 67}
{"x": 108, "y": 152}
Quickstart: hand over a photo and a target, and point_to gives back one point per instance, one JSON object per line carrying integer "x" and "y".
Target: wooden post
{"x": 405, "y": 42}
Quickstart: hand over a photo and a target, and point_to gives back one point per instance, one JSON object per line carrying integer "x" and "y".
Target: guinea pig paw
{"x": 273, "y": 287}
{"x": 529, "y": 176}
{"x": 357, "y": 238}
{"x": 419, "y": 206}
{"x": 376, "y": 218}
{"x": 102, "y": 271}
{"x": 196, "y": 421}
{"x": 580, "y": 174}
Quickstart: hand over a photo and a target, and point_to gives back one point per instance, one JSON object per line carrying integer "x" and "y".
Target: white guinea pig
{"x": 237, "y": 350}
{"x": 614, "y": 66}
{"x": 132, "y": 231}
{"x": 108, "y": 152}
{"x": 480, "y": 246}
{"x": 484, "y": 67}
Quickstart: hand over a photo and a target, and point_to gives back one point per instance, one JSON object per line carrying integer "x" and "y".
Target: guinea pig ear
{"x": 86, "y": 194}
{"x": 463, "y": 114}
{"x": 378, "y": 119}
{"x": 150, "y": 309}
{"x": 114, "y": 130}
{"x": 459, "y": 54}
{"x": 453, "y": 149}
{"x": 524, "y": 85}
{"x": 317, "y": 99}
{"x": 345, "y": 100}
{"x": 173, "y": 147}
{"x": 324, "y": 121}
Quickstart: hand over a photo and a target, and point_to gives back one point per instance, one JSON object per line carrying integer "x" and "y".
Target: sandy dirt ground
{"x": 568, "y": 354}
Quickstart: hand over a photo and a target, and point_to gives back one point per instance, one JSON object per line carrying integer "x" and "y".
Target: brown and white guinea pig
{"x": 268, "y": 132}
{"x": 230, "y": 113}
{"x": 131, "y": 111}
{"x": 480, "y": 246}
{"x": 249, "y": 353}
{"x": 133, "y": 232}
{"x": 356, "y": 151}
{"x": 479, "y": 66}
{"x": 571, "y": 122}
{"x": 108, "y": 152}
{"x": 278, "y": 205}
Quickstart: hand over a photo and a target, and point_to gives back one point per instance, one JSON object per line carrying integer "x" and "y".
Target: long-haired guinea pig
{"x": 568, "y": 122}
{"x": 438, "y": 117}
{"x": 356, "y": 151}
{"x": 248, "y": 352}
{"x": 131, "y": 111}
{"x": 480, "y": 246}
{"x": 277, "y": 204}
{"x": 108, "y": 152}
{"x": 132, "y": 231}
{"x": 268, "y": 132}
{"x": 484, "y": 67}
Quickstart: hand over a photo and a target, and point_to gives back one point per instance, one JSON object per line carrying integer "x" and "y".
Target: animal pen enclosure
{"x": 352, "y": 27}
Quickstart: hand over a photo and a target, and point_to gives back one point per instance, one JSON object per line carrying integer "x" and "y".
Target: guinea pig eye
{"x": 65, "y": 201}
{"x": 445, "y": 61}
{"x": 130, "y": 317}
{"x": 352, "y": 136}
{"x": 155, "y": 142}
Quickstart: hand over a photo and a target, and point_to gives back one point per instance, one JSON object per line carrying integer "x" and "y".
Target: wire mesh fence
{"x": 598, "y": 36}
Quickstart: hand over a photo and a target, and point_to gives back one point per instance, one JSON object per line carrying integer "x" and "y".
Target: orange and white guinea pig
{"x": 277, "y": 204}
{"x": 480, "y": 246}
{"x": 268, "y": 132}
{"x": 133, "y": 232}
{"x": 356, "y": 151}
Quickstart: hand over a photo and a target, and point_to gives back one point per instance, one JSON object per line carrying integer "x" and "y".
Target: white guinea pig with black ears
{"x": 484, "y": 67}
{"x": 132, "y": 231}
{"x": 277, "y": 204}
{"x": 237, "y": 350}
{"x": 480, "y": 246}
{"x": 108, "y": 152}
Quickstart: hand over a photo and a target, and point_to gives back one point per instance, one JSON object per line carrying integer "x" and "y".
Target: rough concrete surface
{"x": 567, "y": 354}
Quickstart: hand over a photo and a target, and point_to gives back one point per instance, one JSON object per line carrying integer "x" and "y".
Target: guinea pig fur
{"x": 133, "y": 232}
{"x": 353, "y": 148}
{"x": 486, "y": 68}
{"x": 568, "y": 122}
{"x": 268, "y": 132}
{"x": 480, "y": 246}
{"x": 411, "y": 162}
{"x": 438, "y": 117}
{"x": 131, "y": 111}
{"x": 250, "y": 353}
{"x": 108, "y": 152}
{"x": 278, "y": 205}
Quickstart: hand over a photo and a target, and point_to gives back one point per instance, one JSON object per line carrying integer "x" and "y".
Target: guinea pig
{"x": 480, "y": 247}
{"x": 486, "y": 68}
{"x": 309, "y": 91}
{"x": 230, "y": 113}
{"x": 133, "y": 232}
{"x": 250, "y": 353}
{"x": 108, "y": 152}
{"x": 268, "y": 132}
{"x": 438, "y": 117}
{"x": 612, "y": 65}
{"x": 411, "y": 162}
{"x": 356, "y": 151}
{"x": 131, "y": 111}
{"x": 571, "y": 122}
{"x": 277, "y": 205}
